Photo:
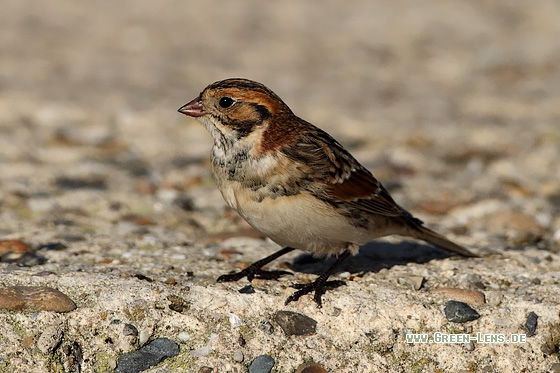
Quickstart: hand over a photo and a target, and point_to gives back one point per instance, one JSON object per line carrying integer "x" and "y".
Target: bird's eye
{"x": 226, "y": 102}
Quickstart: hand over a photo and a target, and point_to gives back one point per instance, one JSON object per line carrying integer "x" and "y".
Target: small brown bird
{"x": 295, "y": 183}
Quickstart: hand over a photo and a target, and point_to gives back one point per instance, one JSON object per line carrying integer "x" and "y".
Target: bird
{"x": 295, "y": 183}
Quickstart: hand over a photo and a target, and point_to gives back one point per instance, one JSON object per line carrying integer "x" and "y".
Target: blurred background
{"x": 450, "y": 102}
{"x": 454, "y": 105}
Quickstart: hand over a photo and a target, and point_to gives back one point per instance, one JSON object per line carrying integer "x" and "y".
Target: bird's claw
{"x": 251, "y": 273}
{"x": 317, "y": 286}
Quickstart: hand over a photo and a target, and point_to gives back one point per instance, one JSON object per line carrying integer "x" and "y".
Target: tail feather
{"x": 428, "y": 235}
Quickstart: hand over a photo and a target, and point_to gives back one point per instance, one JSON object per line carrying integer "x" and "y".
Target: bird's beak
{"x": 193, "y": 108}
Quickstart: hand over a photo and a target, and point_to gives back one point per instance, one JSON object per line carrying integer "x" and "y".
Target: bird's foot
{"x": 319, "y": 286}
{"x": 252, "y": 272}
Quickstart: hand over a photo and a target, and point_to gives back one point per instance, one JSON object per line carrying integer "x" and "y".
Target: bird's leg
{"x": 254, "y": 270}
{"x": 320, "y": 285}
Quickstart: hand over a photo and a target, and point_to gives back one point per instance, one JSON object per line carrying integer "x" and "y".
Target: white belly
{"x": 300, "y": 221}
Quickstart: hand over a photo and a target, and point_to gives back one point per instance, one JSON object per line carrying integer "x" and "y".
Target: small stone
{"x": 13, "y": 246}
{"x": 459, "y": 312}
{"x": 549, "y": 347}
{"x": 413, "y": 282}
{"x": 234, "y": 320}
{"x": 89, "y": 182}
{"x": 143, "y": 277}
{"x": 147, "y": 356}
{"x": 248, "y": 289}
{"x": 130, "y": 330}
{"x": 53, "y": 246}
{"x": 555, "y": 368}
{"x": 144, "y": 336}
{"x": 494, "y": 298}
{"x": 26, "y": 259}
{"x": 241, "y": 340}
{"x": 177, "y": 304}
{"x": 266, "y": 327}
{"x": 238, "y": 356}
{"x": 35, "y": 298}
{"x": 531, "y": 324}
{"x": 293, "y": 323}
{"x": 474, "y": 297}
{"x": 184, "y": 336}
{"x": 206, "y": 370}
{"x": 310, "y": 367}
{"x": 49, "y": 339}
{"x": 469, "y": 346}
{"x": 262, "y": 364}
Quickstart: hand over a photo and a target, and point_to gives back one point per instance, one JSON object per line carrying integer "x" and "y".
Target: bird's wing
{"x": 342, "y": 178}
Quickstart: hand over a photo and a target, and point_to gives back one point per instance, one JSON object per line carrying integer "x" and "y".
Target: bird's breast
{"x": 300, "y": 221}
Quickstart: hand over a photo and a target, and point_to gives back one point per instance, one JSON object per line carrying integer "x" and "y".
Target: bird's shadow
{"x": 372, "y": 257}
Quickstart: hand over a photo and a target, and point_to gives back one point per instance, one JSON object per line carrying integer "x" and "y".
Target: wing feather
{"x": 344, "y": 179}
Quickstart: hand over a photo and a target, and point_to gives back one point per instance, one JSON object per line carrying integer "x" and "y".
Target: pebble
{"x": 531, "y": 324}
{"x": 177, "y": 304}
{"x": 266, "y": 326}
{"x": 145, "y": 334}
{"x": 241, "y": 340}
{"x": 147, "y": 356}
{"x": 262, "y": 364}
{"x": 206, "y": 370}
{"x": 494, "y": 298}
{"x": 248, "y": 289}
{"x": 459, "y": 312}
{"x": 413, "y": 282}
{"x": 310, "y": 367}
{"x": 234, "y": 320}
{"x": 184, "y": 336}
{"x": 293, "y": 323}
{"x": 238, "y": 356}
{"x": 54, "y": 246}
{"x": 550, "y": 346}
{"x": 474, "y": 297}
{"x": 130, "y": 330}
{"x": 88, "y": 182}
{"x": 26, "y": 259}
{"x": 49, "y": 339}
{"x": 469, "y": 346}
{"x": 35, "y": 298}
{"x": 13, "y": 246}
{"x": 555, "y": 368}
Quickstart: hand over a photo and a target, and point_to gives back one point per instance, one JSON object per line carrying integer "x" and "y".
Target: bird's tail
{"x": 428, "y": 235}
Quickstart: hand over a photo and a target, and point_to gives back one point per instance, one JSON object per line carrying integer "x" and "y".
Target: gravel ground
{"x": 454, "y": 105}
